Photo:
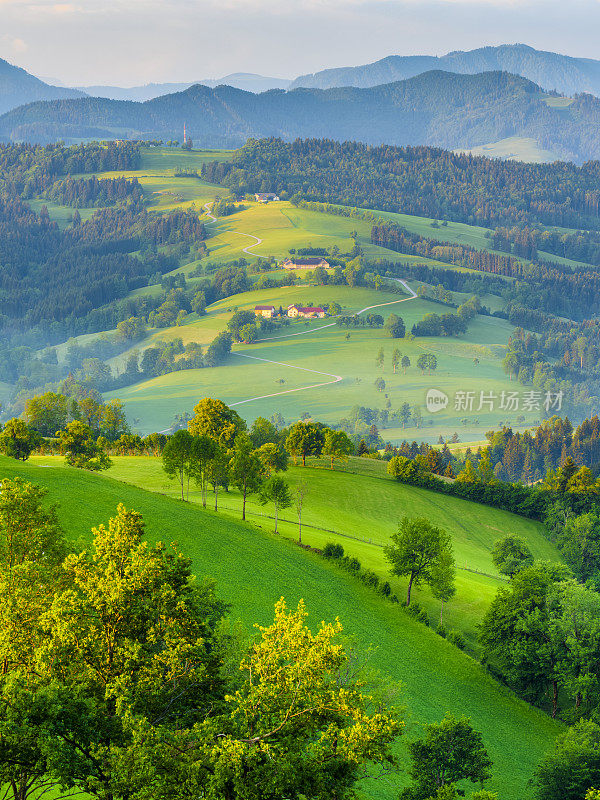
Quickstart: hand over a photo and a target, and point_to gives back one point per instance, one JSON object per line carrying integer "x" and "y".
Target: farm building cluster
{"x": 305, "y": 262}
{"x": 294, "y": 311}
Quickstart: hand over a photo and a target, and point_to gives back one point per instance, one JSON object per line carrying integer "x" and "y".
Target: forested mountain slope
{"x": 551, "y": 70}
{"x": 18, "y": 87}
{"x": 436, "y": 108}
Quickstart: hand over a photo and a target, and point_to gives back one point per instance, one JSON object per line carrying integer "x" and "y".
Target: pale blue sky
{"x": 128, "y": 42}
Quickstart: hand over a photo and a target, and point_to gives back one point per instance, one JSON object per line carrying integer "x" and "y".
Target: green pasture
{"x": 302, "y": 351}
{"x": 62, "y": 215}
{"x": 361, "y": 512}
{"x": 252, "y": 569}
{"x": 520, "y": 148}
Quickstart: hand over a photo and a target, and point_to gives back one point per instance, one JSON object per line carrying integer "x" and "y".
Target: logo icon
{"x": 435, "y": 400}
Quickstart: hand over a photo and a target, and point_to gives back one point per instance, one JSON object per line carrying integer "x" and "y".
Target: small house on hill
{"x": 309, "y": 312}
{"x": 266, "y": 197}
{"x": 305, "y": 262}
{"x": 313, "y": 311}
{"x": 264, "y": 311}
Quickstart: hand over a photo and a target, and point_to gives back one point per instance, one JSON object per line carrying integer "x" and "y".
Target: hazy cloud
{"x": 138, "y": 41}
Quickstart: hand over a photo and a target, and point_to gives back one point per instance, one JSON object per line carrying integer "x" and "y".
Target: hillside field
{"x": 253, "y": 568}
{"x": 309, "y": 354}
{"x": 259, "y": 230}
{"x": 361, "y": 511}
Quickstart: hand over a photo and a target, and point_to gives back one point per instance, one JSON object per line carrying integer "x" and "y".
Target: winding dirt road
{"x": 334, "y": 378}
{"x": 257, "y": 240}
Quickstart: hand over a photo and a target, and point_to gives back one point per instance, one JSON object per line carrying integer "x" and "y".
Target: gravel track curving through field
{"x": 257, "y": 239}
{"x": 335, "y": 378}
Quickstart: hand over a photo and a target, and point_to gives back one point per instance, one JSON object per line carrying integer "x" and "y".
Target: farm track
{"x": 250, "y": 247}
{"x": 334, "y": 378}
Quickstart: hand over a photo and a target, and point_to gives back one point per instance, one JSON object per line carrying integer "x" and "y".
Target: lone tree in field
{"x": 338, "y": 446}
{"x": 405, "y": 364}
{"x": 422, "y": 551}
{"x": 380, "y": 358}
{"x": 305, "y": 439}
{"x": 395, "y": 326}
{"x": 405, "y": 413}
{"x": 451, "y": 751}
{"x": 277, "y": 491}
{"x": 246, "y": 469}
{"x": 379, "y": 385}
{"x": 511, "y": 554}
{"x": 396, "y": 356}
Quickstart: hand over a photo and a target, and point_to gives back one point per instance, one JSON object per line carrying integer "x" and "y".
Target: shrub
{"x": 419, "y": 613}
{"x": 352, "y": 564}
{"x": 386, "y": 589}
{"x": 441, "y": 631}
{"x": 457, "y": 639}
{"x": 370, "y": 578}
{"x": 332, "y": 550}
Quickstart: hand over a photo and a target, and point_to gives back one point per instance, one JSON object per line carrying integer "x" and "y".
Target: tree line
{"x": 478, "y": 191}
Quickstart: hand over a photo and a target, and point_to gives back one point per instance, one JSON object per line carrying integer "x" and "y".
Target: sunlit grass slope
{"x": 472, "y": 362}
{"x": 362, "y": 512}
{"x": 253, "y": 569}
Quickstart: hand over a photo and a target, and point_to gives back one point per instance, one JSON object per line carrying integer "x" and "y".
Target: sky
{"x": 131, "y": 42}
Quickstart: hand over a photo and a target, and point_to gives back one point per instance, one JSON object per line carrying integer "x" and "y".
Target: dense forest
{"x": 560, "y": 290}
{"x": 436, "y": 108}
{"x": 52, "y": 280}
{"x": 417, "y": 180}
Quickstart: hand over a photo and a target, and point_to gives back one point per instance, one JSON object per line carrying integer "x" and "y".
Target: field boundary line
{"x": 336, "y": 379}
{"x": 349, "y": 536}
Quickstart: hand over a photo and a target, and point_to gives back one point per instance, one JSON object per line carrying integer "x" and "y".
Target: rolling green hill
{"x": 253, "y": 569}
{"x": 310, "y": 354}
{"x": 361, "y": 511}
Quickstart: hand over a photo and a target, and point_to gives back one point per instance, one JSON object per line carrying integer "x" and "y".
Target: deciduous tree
{"x": 246, "y": 468}
{"x": 17, "y": 439}
{"x": 511, "y": 554}
{"x": 421, "y": 551}
{"x": 450, "y": 752}
{"x": 277, "y": 491}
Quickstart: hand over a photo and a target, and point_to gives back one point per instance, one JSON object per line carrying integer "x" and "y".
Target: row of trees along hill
{"x": 561, "y": 286}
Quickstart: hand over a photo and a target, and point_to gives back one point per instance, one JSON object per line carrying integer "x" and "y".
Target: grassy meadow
{"x": 361, "y": 512}
{"x": 252, "y": 569}
{"x": 282, "y": 386}
{"x": 311, "y": 346}
{"x": 519, "y": 148}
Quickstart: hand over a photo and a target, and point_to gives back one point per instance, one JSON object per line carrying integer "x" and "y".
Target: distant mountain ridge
{"x": 566, "y": 74}
{"x": 435, "y": 108}
{"x": 248, "y": 81}
{"x": 18, "y": 87}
